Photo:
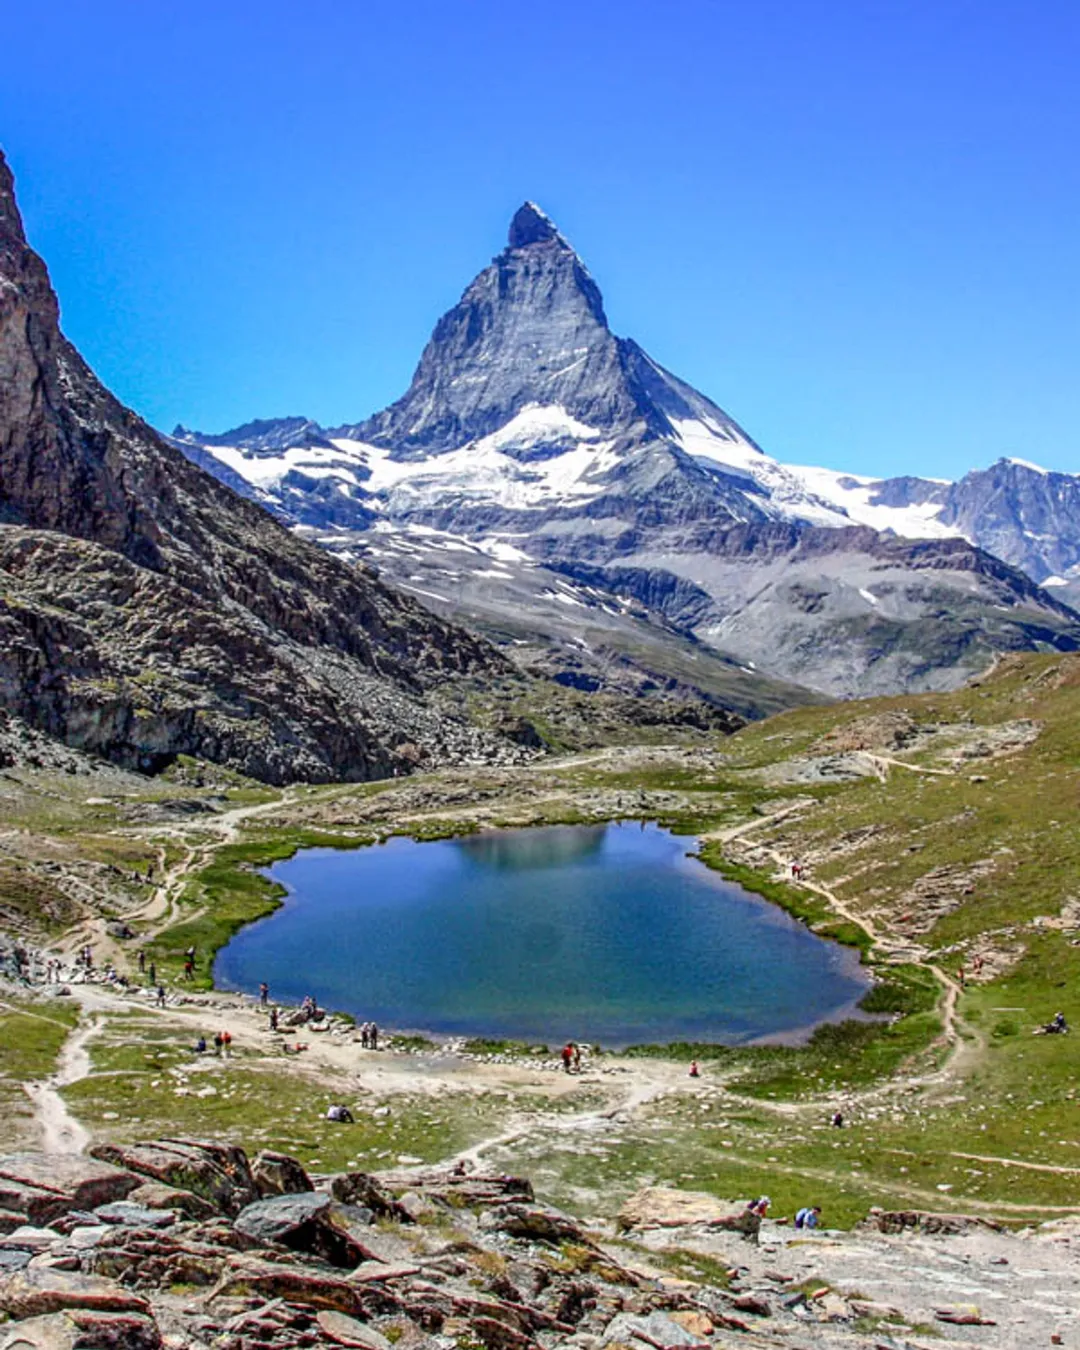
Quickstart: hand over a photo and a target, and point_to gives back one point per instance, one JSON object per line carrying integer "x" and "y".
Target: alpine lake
{"x": 608, "y": 934}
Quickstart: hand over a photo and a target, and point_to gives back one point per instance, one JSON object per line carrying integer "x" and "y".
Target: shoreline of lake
{"x": 522, "y": 852}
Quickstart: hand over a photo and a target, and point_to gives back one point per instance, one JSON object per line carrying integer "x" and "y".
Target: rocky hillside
{"x": 532, "y": 433}
{"x": 147, "y": 611}
{"x": 187, "y": 1244}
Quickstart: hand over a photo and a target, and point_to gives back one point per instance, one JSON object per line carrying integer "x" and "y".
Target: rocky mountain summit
{"x": 146, "y": 611}
{"x": 532, "y": 433}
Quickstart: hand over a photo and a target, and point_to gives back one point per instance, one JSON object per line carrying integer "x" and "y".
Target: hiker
{"x": 273, "y": 1019}
{"x": 293, "y": 1048}
{"x": 373, "y": 1036}
{"x": 189, "y": 968}
{"x": 577, "y": 1057}
{"x": 340, "y": 1113}
{"x": 695, "y": 1072}
{"x": 152, "y": 978}
{"x": 837, "y": 1120}
{"x": 200, "y": 1046}
{"x": 1056, "y": 1027}
{"x": 142, "y": 962}
{"x": 264, "y": 993}
{"x": 808, "y": 1217}
{"x": 217, "y": 1043}
{"x": 226, "y": 1044}
{"x": 567, "y": 1056}
{"x": 161, "y": 996}
{"x": 189, "y": 955}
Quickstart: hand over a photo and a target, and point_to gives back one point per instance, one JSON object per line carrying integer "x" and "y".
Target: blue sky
{"x": 851, "y": 222}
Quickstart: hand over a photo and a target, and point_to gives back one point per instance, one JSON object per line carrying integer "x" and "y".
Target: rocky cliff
{"x": 147, "y": 610}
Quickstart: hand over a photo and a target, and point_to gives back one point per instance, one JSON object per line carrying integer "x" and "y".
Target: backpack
{"x": 800, "y": 1219}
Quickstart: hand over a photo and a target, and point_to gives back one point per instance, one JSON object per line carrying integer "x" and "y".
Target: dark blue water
{"x": 606, "y": 934}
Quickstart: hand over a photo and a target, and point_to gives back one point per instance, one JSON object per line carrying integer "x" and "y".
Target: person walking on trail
{"x": 161, "y": 996}
{"x": 264, "y": 993}
{"x": 808, "y": 1217}
{"x": 567, "y": 1056}
{"x": 189, "y": 968}
{"x": 577, "y": 1057}
{"x": 226, "y": 1044}
{"x": 142, "y": 963}
{"x": 273, "y": 1019}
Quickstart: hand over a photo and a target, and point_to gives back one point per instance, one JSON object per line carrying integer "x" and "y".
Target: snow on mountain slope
{"x": 856, "y": 498}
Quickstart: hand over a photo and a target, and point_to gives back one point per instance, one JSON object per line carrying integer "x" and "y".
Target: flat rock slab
{"x": 40, "y": 1291}
{"x": 665, "y": 1207}
{"x": 247, "y": 1277}
{"x": 80, "y": 1330}
{"x": 304, "y": 1224}
{"x": 340, "y": 1329}
{"x": 156, "y": 1195}
{"x": 369, "y": 1272}
{"x": 123, "y": 1212}
{"x": 45, "y": 1185}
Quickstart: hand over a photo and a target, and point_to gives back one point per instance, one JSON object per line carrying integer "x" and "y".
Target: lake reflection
{"x": 600, "y": 933}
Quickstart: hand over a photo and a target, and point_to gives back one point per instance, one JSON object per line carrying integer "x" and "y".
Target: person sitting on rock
{"x": 808, "y": 1217}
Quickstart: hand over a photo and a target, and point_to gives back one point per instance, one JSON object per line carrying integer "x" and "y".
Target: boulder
{"x": 362, "y": 1189}
{"x": 43, "y": 1186}
{"x": 219, "y": 1173}
{"x": 665, "y": 1207}
{"x": 78, "y": 1329}
{"x": 657, "y": 1330}
{"x": 539, "y": 1223}
{"x": 278, "y": 1174}
{"x": 39, "y": 1291}
{"x": 302, "y": 1223}
{"x": 340, "y": 1329}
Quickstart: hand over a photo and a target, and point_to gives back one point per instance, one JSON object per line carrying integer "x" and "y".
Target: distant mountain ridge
{"x": 531, "y": 434}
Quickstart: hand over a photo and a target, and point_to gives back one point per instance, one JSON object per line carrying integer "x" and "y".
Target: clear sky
{"x": 854, "y": 223}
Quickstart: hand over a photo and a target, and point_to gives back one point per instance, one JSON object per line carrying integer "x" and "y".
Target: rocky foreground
{"x": 186, "y": 1243}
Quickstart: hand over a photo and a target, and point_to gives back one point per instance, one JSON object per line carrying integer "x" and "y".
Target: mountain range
{"x": 552, "y": 485}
